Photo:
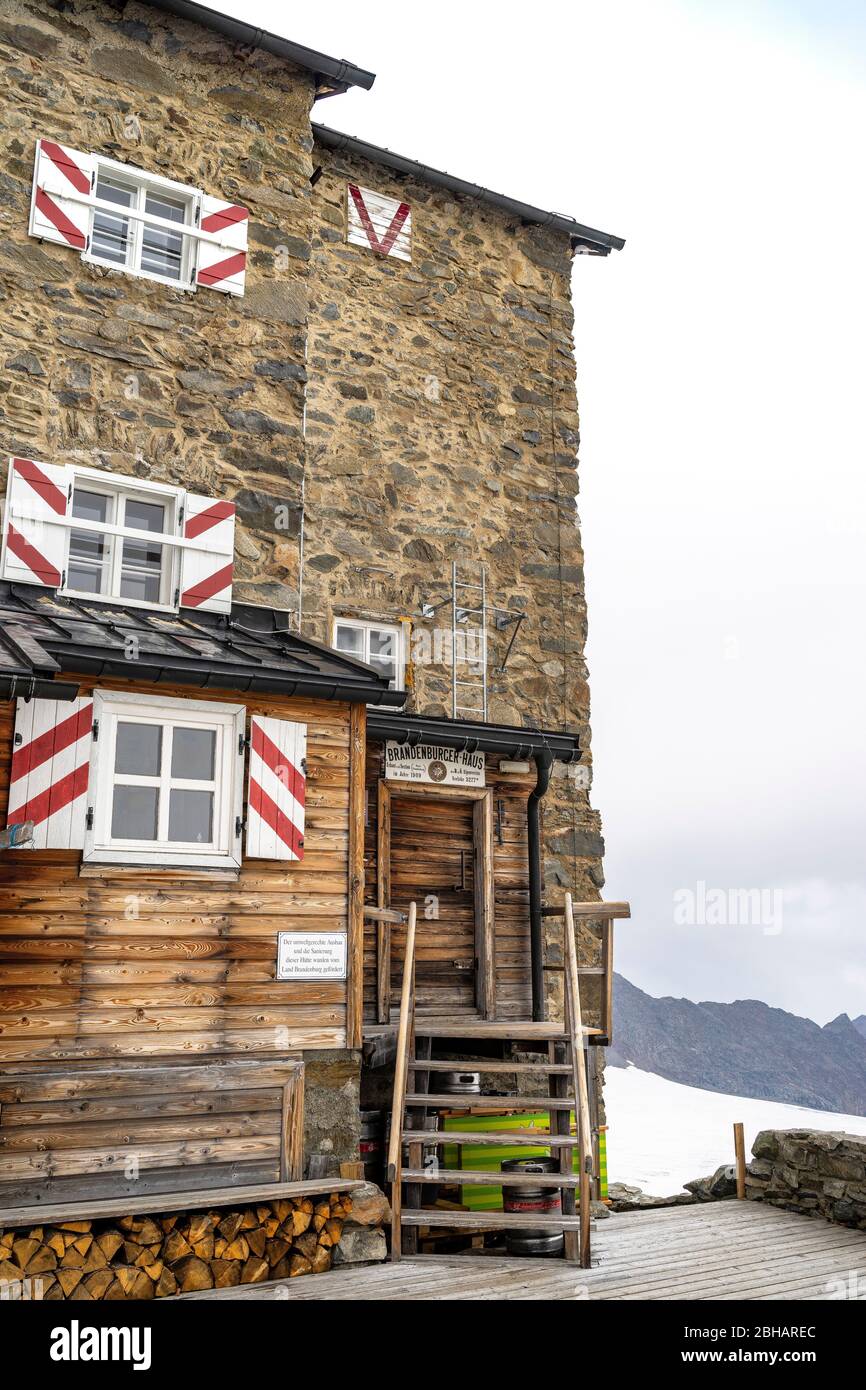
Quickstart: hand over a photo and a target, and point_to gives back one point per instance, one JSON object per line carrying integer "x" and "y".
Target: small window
{"x": 379, "y": 644}
{"x": 137, "y": 236}
{"x": 105, "y": 561}
{"x": 166, "y": 782}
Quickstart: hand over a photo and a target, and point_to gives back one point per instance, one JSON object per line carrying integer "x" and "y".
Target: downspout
{"x": 543, "y": 766}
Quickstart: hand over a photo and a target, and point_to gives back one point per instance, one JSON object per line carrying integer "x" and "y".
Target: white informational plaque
{"x": 311, "y": 955}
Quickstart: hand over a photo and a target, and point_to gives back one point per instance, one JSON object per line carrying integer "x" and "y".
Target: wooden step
{"x": 495, "y": 1179}
{"x": 442, "y": 1064}
{"x": 539, "y": 1138}
{"x": 508, "y": 1102}
{"x": 491, "y": 1220}
{"x": 513, "y": 1030}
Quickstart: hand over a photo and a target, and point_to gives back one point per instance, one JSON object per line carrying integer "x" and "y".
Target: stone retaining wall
{"x": 818, "y": 1172}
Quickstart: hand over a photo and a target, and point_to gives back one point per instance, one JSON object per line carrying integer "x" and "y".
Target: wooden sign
{"x": 311, "y": 955}
{"x": 434, "y": 764}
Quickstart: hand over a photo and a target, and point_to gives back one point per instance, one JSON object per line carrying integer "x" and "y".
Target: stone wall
{"x": 442, "y": 425}
{"x": 818, "y": 1172}
{"x": 108, "y": 371}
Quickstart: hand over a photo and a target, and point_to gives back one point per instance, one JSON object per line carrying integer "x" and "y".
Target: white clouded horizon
{"x": 720, "y": 377}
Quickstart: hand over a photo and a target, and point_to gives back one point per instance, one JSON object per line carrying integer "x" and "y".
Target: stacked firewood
{"x": 138, "y": 1257}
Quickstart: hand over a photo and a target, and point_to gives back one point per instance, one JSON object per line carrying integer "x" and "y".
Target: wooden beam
{"x": 404, "y": 1039}
{"x": 600, "y": 911}
{"x": 740, "y": 1155}
{"x": 383, "y": 900}
{"x": 355, "y": 943}
{"x": 581, "y": 1090}
{"x": 485, "y": 928}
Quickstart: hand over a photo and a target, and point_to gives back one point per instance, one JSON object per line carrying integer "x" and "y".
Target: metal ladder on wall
{"x": 462, "y": 610}
{"x": 566, "y": 1061}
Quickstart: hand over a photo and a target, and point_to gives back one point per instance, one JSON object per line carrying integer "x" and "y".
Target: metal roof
{"x": 584, "y": 238}
{"x": 333, "y": 75}
{"x": 43, "y": 635}
{"x": 472, "y": 736}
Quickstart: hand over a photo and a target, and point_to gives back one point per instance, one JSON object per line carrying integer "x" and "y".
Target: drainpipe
{"x": 543, "y": 765}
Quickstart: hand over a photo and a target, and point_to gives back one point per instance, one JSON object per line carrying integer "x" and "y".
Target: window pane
{"x": 351, "y": 640}
{"x": 161, "y": 250}
{"x": 141, "y": 571}
{"x": 383, "y": 652}
{"x": 138, "y": 749}
{"x": 90, "y": 506}
{"x": 134, "y": 813}
{"x": 190, "y": 817}
{"x": 144, "y": 516}
{"x": 110, "y": 231}
{"x": 193, "y": 752}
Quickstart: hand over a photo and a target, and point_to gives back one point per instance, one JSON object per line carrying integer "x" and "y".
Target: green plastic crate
{"x": 483, "y": 1157}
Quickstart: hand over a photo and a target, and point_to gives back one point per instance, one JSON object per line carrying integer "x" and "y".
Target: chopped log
{"x": 321, "y": 1259}
{"x": 299, "y": 1264}
{"x": 306, "y": 1244}
{"x": 69, "y": 1279}
{"x": 231, "y": 1224}
{"x": 44, "y": 1260}
{"x": 142, "y": 1286}
{"x": 167, "y": 1284}
{"x": 154, "y": 1271}
{"x": 319, "y": 1222}
{"x": 300, "y": 1222}
{"x": 282, "y": 1208}
{"x": 97, "y": 1282}
{"x": 199, "y": 1227}
{"x": 126, "y": 1277}
{"x": 114, "y": 1293}
{"x": 255, "y": 1270}
{"x": 146, "y": 1232}
{"x": 256, "y": 1241}
{"x": 263, "y": 1213}
{"x": 193, "y": 1274}
{"x": 176, "y": 1247}
{"x": 204, "y": 1248}
{"x": 83, "y": 1243}
{"x": 95, "y": 1259}
{"x": 73, "y": 1259}
{"x": 10, "y": 1273}
{"x": 249, "y": 1221}
{"x": 334, "y": 1229}
{"x": 23, "y": 1251}
{"x": 168, "y": 1223}
{"x": 271, "y": 1226}
{"x": 275, "y": 1249}
{"x": 238, "y": 1250}
{"x": 226, "y": 1273}
{"x": 81, "y": 1227}
{"x": 109, "y": 1243}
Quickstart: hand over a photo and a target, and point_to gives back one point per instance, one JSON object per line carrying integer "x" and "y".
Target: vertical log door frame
{"x": 482, "y": 845}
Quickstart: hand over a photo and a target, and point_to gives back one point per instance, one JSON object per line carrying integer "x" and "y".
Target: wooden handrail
{"x": 574, "y": 1019}
{"x": 405, "y": 1028}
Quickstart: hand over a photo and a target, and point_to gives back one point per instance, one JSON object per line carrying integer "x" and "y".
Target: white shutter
{"x": 34, "y": 530}
{"x": 62, "y": 178}
{"x": 222, "y": 265}
{"x": 383, "y": 225}
{"x": 50, "y": 770}
{"x": 206, "y": 568}
{"x": 276, "y": 785}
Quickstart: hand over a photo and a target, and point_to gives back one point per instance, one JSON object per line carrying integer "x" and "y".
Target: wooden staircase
{"x": 562, "y": 1088}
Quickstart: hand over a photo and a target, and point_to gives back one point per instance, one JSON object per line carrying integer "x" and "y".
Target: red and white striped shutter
{"x": 206, "y": 571}
{"x": 222, "y": 265}
{"x": 62, "y": 194}
{"x": 50, "y": 770}
{"x": 381, "y": 224}
{"x": 276, "y": 786}
{"x": 34, "y": 532}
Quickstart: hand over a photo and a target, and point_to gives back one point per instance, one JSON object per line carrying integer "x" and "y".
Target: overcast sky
{"x": 721, "y": 379}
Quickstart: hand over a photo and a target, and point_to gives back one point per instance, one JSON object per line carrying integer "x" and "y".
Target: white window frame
{"x": 366, "y": 625}
{"x": 118, "y": 485}
{"x": 138, "y": 218}
{"x": 229, "y": 720}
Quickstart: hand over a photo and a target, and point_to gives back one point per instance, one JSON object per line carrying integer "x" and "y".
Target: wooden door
{"x": 433, "y": 863}
{"x": 434, "y": 847}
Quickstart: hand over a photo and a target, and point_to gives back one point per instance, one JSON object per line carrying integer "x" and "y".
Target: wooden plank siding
{"x": 141, "y": 962}
{"x": 426, "y": 849}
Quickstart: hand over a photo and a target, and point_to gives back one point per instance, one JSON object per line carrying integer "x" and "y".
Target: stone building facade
{"x": 373, "y": 420}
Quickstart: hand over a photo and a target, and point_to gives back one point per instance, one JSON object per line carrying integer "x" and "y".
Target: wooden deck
{"x": 717, "y": 1251}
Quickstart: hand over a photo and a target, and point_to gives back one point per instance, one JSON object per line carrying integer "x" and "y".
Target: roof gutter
{"x": 584, "y": 238}
{"x": 472, "y": 737}
{"x": 333, "y": 75}
{"x": 36, "y": 688}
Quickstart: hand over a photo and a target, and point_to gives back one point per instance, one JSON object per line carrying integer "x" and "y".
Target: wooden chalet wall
{"x": 143, "y": 962}
{"x": 431, "y": 855}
